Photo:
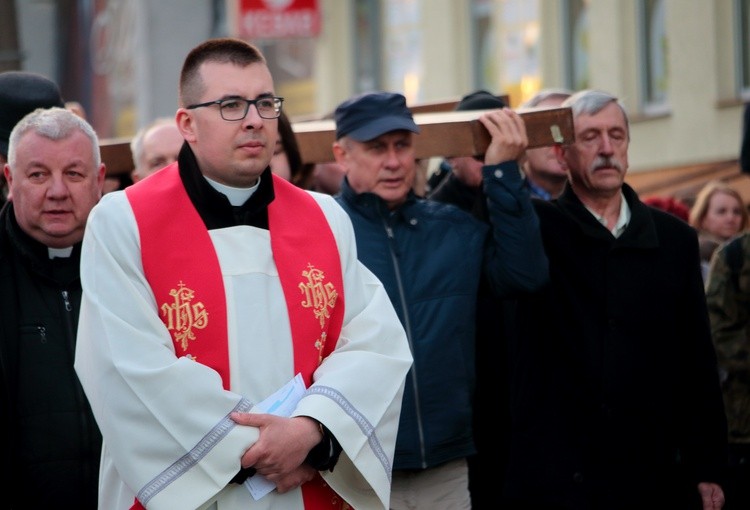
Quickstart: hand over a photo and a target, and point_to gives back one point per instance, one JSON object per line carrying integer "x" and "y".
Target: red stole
{"x": 181, "y": 265}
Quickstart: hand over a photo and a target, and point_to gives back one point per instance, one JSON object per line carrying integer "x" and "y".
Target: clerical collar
{"x": 236, "y": 196}
{"x": 62, "y": 253}
{"x": 622, "y": 220}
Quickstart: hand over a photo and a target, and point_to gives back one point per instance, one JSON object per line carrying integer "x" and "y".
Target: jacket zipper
{"x": 86, "y": 430}
{"x": 68, "y": 320}
{"x": 407, "y": 328}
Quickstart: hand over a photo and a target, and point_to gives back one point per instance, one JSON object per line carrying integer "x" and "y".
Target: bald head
{"x": 154, "y": 147}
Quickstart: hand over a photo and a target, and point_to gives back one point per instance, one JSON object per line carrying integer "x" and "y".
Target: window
{"x": 576, "y": 41}
{"x": 483, "y": 45}
{"x": 653, "y": 56}
{"x": 403, "y": 57}
{"x": 367, "y": 44}
{"x": 519, "y": 49}
{"x": 742, "y": 31}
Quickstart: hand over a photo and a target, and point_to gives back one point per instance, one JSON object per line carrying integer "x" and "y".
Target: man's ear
{"x": 184, "y": 121}
{"x": 339, "y": 153}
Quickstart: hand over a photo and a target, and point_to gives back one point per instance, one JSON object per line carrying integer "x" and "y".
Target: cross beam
{"x": 442, "y": 134}
{"x": 445, "y": 134}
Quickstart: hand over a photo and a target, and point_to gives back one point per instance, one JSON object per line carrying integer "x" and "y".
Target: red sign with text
{"x": 273, "y": 19}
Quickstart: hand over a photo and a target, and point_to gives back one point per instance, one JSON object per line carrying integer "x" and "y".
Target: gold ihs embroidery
{"x": 321, "y": 297}
{"x": 319, "y": 344}
{"x": 182, "y": 316}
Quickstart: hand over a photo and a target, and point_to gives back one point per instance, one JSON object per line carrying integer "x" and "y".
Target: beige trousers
{"x": 445, "y": 487}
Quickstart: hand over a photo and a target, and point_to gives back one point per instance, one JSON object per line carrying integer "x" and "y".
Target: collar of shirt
{"x": 59, "y": 252}
{"x": 622, "y": 220}
{"x": 536, "y": 191}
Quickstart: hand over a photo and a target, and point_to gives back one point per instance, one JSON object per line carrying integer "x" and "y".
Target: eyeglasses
{"x": 235, "y": 108}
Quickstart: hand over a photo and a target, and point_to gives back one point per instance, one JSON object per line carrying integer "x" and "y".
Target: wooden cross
{"x": 442, "y": 134}
{"x": 445, "y": 134}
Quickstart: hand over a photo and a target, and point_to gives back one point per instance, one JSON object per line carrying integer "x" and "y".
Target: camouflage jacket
{"x": 728, "y": 299}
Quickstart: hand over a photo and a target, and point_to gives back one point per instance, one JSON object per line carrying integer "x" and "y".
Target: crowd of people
{"x": 239, "y": 328}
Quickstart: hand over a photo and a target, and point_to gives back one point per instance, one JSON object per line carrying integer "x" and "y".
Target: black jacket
{"x": 615, "y": 391}
{"x": 745, "y": 143}
{"x": 490, "y": 419}
{"x": 51, "y": 441}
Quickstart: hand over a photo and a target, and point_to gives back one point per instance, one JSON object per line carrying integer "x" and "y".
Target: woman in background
{"x": 287, "y": 158}
{"x": 718, "y": 214}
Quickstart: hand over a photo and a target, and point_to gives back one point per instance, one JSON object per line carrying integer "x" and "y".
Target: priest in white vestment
{"x": 166, "y": 408}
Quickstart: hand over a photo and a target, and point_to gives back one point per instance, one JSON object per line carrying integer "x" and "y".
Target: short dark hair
{"x": 222, "y": 50}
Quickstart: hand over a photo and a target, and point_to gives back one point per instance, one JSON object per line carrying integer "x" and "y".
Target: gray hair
{"x": 591, "y": 102}
{"x": 54, "y": 124}
{"x": 546, "y": 94}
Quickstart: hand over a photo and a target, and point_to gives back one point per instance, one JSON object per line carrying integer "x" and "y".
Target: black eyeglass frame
{"x": 277, "y": 104}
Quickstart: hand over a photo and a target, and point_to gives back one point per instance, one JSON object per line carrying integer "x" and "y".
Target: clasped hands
{"x": 282, "y": 446}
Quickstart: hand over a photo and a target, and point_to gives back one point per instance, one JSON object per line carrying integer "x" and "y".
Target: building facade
{"x": 681, "y": 67}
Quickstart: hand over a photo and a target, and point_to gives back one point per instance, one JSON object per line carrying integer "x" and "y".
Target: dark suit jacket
{"x": 615, "y": 393}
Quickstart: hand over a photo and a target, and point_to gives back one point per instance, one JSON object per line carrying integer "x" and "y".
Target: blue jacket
{"x": 430, "y": 258}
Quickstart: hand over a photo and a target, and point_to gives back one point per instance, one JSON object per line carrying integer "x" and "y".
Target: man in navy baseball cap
{"x": 431, "y": 259}
{"x": 368, "y": 116}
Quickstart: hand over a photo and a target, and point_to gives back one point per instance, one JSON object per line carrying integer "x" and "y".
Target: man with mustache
{"x": 615, "y": 394}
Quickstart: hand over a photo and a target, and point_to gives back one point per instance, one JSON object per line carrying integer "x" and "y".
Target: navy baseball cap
{"x": 368, "y": 116}
{"x": 21, "y": 93}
